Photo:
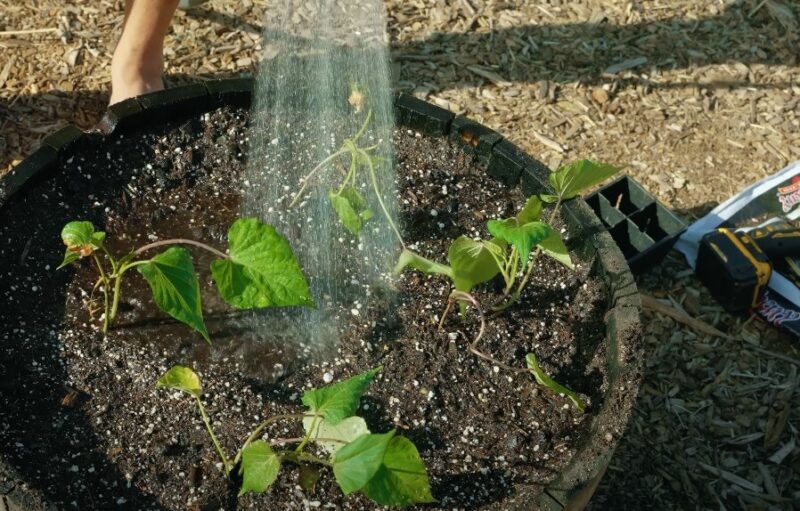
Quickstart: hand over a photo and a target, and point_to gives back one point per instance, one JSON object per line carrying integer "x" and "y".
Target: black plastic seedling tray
{"x": 641, "y": 226}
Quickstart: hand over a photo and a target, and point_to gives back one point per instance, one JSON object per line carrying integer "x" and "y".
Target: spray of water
{"x": 316, "y": 53}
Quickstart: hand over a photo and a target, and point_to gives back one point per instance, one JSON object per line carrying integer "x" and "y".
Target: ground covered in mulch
{"x": 699, "y": 98}
{"x": 491, "y": 438}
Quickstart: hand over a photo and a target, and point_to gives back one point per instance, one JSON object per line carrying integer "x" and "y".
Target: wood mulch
{"x": 698, "y": 97}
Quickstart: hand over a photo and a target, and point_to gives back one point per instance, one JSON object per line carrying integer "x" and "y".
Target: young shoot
{"x": 383, "y": 466}
{"x": 259, "y": 270}
{"x": 539, "y": 375}
{"x": 347, "y": 201}
{"x": 543, "y": 379}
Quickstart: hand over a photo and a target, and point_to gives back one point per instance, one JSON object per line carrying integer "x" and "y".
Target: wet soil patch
{"x": 82, "y": 423}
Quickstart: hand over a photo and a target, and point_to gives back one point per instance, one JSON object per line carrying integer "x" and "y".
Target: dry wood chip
{"x": 782, "y": 13}
{"x": 490, "y": 75}
{"x": 648, "y": 302}
{"x": 72, "y": 56}
{"x": 731, "y": 477}
{"x": 549, "y": 142}
{"x": 769, "y": 483}
{"x": 6, "y": 70}
{"x": 600, "y": 95}
{"x": 744, "y": 439}
{"x": 10, "y": 33}
{"x": 783, "y": 452}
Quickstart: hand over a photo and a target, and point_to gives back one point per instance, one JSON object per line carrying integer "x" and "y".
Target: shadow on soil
{"x": 27, "y": 119}
{"x": 559, "y": 53}
{"x": 585, "y": 51}
{"x": 43, "y": 429}
{"x": 569, "y": 52}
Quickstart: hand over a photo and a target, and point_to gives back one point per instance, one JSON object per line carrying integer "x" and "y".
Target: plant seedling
{"x": 511, "y": 251}
{"x": 383, "y": 466}
{"x": 511, "y": 254}
{"x": 567, "y": 182}
{"x": 522, "y": 233}
{"x": 347, "y": 202}
{"x": 259, "y": 270}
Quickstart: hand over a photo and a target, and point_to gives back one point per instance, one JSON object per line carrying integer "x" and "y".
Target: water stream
{"x": 315, "y": 54}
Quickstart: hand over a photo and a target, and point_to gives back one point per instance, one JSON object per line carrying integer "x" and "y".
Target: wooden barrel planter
{"x": 50, "y": 422}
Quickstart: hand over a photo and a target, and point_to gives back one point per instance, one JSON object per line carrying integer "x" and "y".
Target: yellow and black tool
{"x": 737, "y": 266}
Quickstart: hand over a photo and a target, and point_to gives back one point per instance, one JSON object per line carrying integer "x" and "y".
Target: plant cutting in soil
{"x": 473, "y": 262}
{"x": 347, "y": 202}
{"x": 384, "y": 467}
{"x": 510, "y": 253}
{"x": 533, "y": 366}
{"x": 259, "y": 270}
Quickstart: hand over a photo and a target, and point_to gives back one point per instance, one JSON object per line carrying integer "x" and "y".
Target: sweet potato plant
{"x": 512, "y": 253}
{"x": 385, "y": 467}
{"x": 259, "y": 270}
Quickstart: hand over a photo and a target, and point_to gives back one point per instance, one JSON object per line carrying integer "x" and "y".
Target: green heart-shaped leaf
{"x": 332, "y": 438}
{"x": 81, "y": 239}
{"x": 553, "y": 246}
{"x": 259, "y": 469}
{"x": 523, "y": 237}
{"x": 357, "y": 462}
{"x": 338, "y": 401}
{"x": 69, "y": 258}
{"x": 531, "y": 212}
{"x": 472, "y": 263}
{"x": 351, "y": 208}
{"x": 98, "y": 237}
{"x": 262, "y": 270}
{"x": 181, "y": 378}
{"x": 77, "y": 234}
{"x": 572, "y": 179}
{"x": 402, "y": 479}
{"x": 175, "y": 288}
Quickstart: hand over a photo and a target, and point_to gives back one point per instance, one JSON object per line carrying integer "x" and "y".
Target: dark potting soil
{"x": 82, "y": 422}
